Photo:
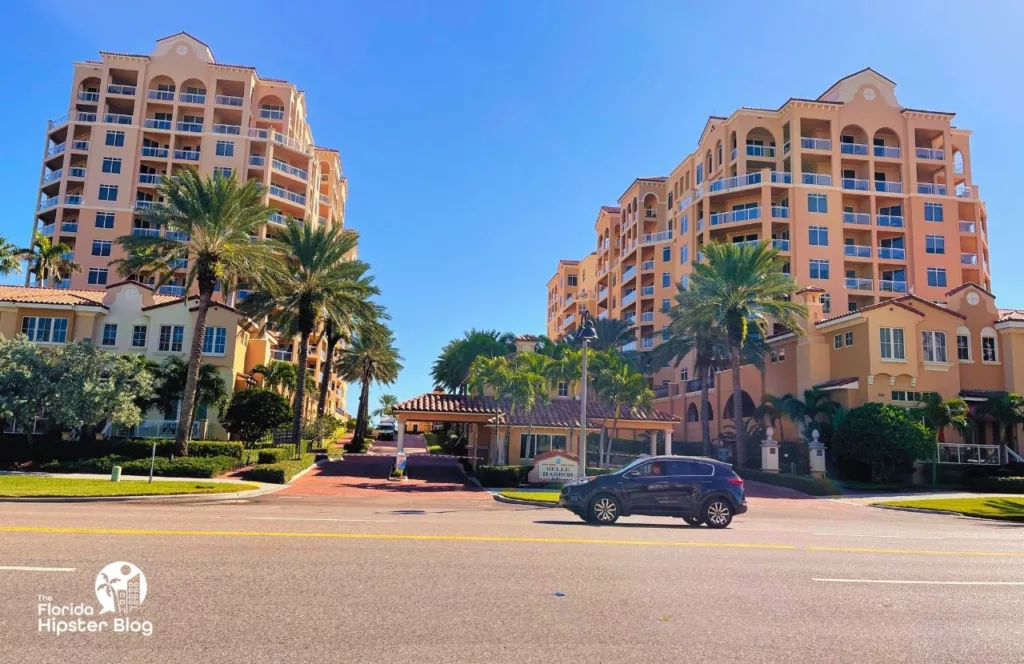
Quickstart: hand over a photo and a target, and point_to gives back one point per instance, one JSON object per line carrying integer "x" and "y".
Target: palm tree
{"x": 611, "y": 334}
{"x": 213, "y": 221}
{"x": 10, "y": 257}
{"x": 277, "y": 375}
{"x": 171, "y": 376}
{"x": 621, "y": 385}
{"x": 370, "y": 358}
{"x": 739, "y": 287}
{"x": 814, "y": 409}
{"x": 450, "y": 370}
{"x": 771, "y": 409}
{"x": 568, "y": 368}
{"x": 387, "y": 403}
{"x": 509, "y": 381}
{"x": 334, "y": 332}
{"x": 537, "y": 370}
{"x": 312, "y": 279}
{"x": 1007, "y": 410}
{"x": 939, "y": 414}
{"x": 48, "y": 260}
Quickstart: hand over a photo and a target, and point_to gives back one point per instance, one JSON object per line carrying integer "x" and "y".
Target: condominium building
{"x": 572, "y": 291}
{"x": 868, "y": 200}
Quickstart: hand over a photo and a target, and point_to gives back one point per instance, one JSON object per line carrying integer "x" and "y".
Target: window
{"x": 892, "y": 343}
{"x": 109, "y": 334}
{"x": 563, "y": 389}
{"x": 684, "y": 282}
{"x": 817, "y": 203}
{"x": 837, "y": 341}
{"x": 215, "y": 340}
{"x": 223, "y": 171}
{"x": 101, "y": 247}
{"x": 849, "y": 338}
{"x": 225, "y": 148}
{"x": 45, "y": 330}
{"x": 819, "y": 268}
{"x": 108, "y": 192}
{"x": 115, "y": 138}
{"x": 97, "y": 276}
{"x": 934, "y": 244}
{"x": 684, "y": 254}
{"x": 826, "y": 303}
{"x": 937, "y": 276}
{"x": 171, "y": 338}
{"x": 778, "y": 355}
{"x": 933, "y": 211}
{"x": 989, "y": 350}
{"x": 665, "y": 304}
{"x": 666, "y": 279}
{"x": 666, "y": 254}
{"x": 684, "y": 374}
{"x": 909, "y": 397}
{"x": 818, "y": 236}
{"x": 570, "y": 280}
{"x": 139, "y": 336}
{"x": 933, "y": 344}
{"x": 684, "y": 224}
{"x": 104, "y": 220}
{"x": 111, "y": 165}
{"x": 963, "y": 344}
{"x": 700, "y": 173}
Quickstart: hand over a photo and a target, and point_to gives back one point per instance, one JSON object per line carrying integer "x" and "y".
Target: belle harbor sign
{"x": 554, "y": 466}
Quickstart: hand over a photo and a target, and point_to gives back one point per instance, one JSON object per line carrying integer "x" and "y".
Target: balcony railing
{"x": 602, "y": 294}
{"x": 177, "y": 236}
{"x": 281, "y": 354}
{"x": 857, "y": 250}
{"x": 76, "y": 172}
{"x": 287, "y": 195}
{"x": 646, "y": 316}
{"x": 290, "y": 142}
{"x": 856, "y": 184}
{"x": 187, "y": 155}
{"x": 629, "y": 298}
{"x": 761, "y": 151}
{"x": 192, "y": 97}
{"x": 809, "y": 143}
{"x": 73, "y": 199}
{"x": 177, "y": 291}
{"x": 816, "y": 179}
{"x": 780, "y": 212}
{"x": 325, "y": 199}
{"x": 241, "y": 294}
{"x": 782, "y": 177}
{"x": 647, "y": 291}
{"x": 890, "y": 286}
{"x": 735, "y": 216}
{"x": 785, "y": 148}
{"x": 259, "y": 133}
{"x": 650, "y": 213}
{"x": 890, "y": 220}
{"x": 234, "y": 130}
{"x": 69, "y": 227}
{"x": 630, "y": 319}
{"x": 698, "y": 384}
{"x": 747, "y": 243}
{"x": 56, "y": 149}
{"x": 735, "y": 182}
{"x": 289, "y": 169}
{"x": 193, "y": 127}
{"x": 892, "y": 253}
{"x": 53, "y": 175}
{"x": 781, "y": 245}
{"x": 48, "y": 229}
{"x": 860, "y": 149}
{"x": 90, "y": 97}
{"x": 257, "y": 160}
{"x": 889, "y": 187}
{"x": 966, "y": 192}
{"x": 84, "y": 116}
{"x": 228, "y": 100}
{"x": 647, "y": 266}
{"x": 146, "y": 232}
{"x": 967, "y": 227}
{"x": 178, "y": 264}
{"x": 603, "y": 315}
{"x": 58, "y": 122}
{"x": 929, "y": 153}
{"x": 272, "y": 113}
{"x": 569, "y": 299}
{"x": 63, "y": 284}
{"x": 569, "y": 320}
{"x": 888, "y": 151}
{"x": 858, "y": 218}
{"x": 647, "y": 342}
{"x": 161, "y": 95}
{"x": 652, "y": 238}
{"x": 685, "y": 203}
{"x": 117, "y": 118}
{"x": 126, "y": 90}
{"x": 629, "y": 346}
{"x": 277, "y": 218}
{"x": 149, "y": 178}
{"x": 931, "y": 188}
{"x": 968, "y": 259}
{"x": 82, "y": 146}
{"x": 629, "y": 273}
{"x": 143, "y": 205}
{"x": 855, "y": 283}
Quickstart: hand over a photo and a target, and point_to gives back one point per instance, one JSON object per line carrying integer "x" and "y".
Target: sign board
{"x": 400, "y": 460}
{"x": 554, "y": 466}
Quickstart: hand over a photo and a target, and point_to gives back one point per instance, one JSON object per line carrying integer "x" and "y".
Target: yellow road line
{"x": 501, "y": 539}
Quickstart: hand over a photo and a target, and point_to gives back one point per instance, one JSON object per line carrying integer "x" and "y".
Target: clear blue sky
{"x": 480, "y": 138}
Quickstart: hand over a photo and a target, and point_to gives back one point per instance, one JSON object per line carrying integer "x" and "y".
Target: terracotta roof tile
{"x": 970, "y": 284}
{"x": 838, "y": 382}
{"x": 559, "y": 413}
{"x": 59, "y": 296}
{"x": 902, "y": 302}
{"x": 527, "y": 337}
{"x": 811, "y": 289}
{"x": 614, "y": 209}
{"x": 1006, "y": 315}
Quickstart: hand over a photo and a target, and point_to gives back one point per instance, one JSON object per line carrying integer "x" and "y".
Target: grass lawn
{"x": 540, "y": 496}
{"x": 989, "y": 508}
{"x": 17, "y": 486}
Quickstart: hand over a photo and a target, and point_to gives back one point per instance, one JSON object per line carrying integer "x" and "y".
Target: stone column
{"x": 668, "y": 442}
{"x": 816, "y": 450}
{"x": 769, "y": 452}
{"x": 401, "y": 437}
{"x": 654, "y": 443}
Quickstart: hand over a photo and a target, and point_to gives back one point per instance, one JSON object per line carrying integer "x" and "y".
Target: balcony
{"x": 187, "y": 155}
{"x": 780, "y": 212}
{"x": 73, "y": 199}
{"x": 764, "y": 151}
{"x": 192, "y": 127}
{"x": 732, "y": 154}
{"x": 857, "y": 250}
{"x": 287, "y": 195}
{"x": 63, "y": 284}
{"x": 857, "y": 218}
{"x": 227, "y": 100}
{"x": 143, "y": 205}
{"x": 178, "y": 264}
{"x": 47, "y": 230}
{"x": 967, "y": 227}
{"x": 888, "y": 151}
{"x": 89, "y": 97}
{"x": 931, "y": 188}
{"x": 603, "y": 315}
{"x": 856, "y": 149}
{"x": 290, "y": 142}
{"x": 177, "y": 236}
{"x": 653, "y": 238}
{"x": 628, "y": 273}
{"x": 650, "y": 213}
{"x": 647, "y": 317}
{"x": 81, "y": 146}
{"x": 698, "y": 384}
{"x": 155, "y": 153}
{"x": 569, "y": 320}
{"x": 968, "y": 259}
{"x": 735, "y": 182}
{"x": 602, "y": 294}
{"x": 76, "y": 172}
{"x": 277, "y": 218}
{"x": 647, "y": 291}
{"x": 69, "y": 227}
{"x": 629, "y": 319}
{"x": 628, "y": 347}
{"x": 56, "y": 149}
{"x": 176, "y": 291}
{"x": 325, "y": 199}
{"x": 856, "y": 184}
{"x": 889, "y": 286}
{"x": 685, "y": 203}
{"x": 735, "y": 216}
{"x": 146, "y": 232}
{"x": 83, "y": 116}
{"x": 816, "y": 179}
{"x": 890, "y": 220}
{"x": 808, "y": 143}
{"x": 966, "y": 192}
{"x": 124, "y": 90}
{"x": 892, "y": 253}
{"x": 781, "y": 177}
{"x": 155, "y": 123}
{"x": 192, "y": 98}
{"x": 117, "y": 118}
{"x": 889, "y": 187}
{"x": 646, "y": 266}
{"x": 569, "y": 299}
{"x": 629, "y": 298}
{"x": 929, "y": 153}
{"x": 272, "y": 114}
{"x": 289, "y": 169}
{"x": 281, "y": 354}
{"x": 647, "y": 342}
{"x": 257, "y": 160}
{"x": 258, "y": 133}
{"x": 149, "y": 178}
{"x": 241, "y": 294}
{"x": 53, "y": 175}
{"x": 781, "y": 245}
{"x": 853, "y": 283}
{"x": 160, "y": 95}
{"x": 56, "y": 123}
{"x": 234, "y": 130}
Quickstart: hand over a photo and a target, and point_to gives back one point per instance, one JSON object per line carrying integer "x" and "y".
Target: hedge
{"x": 206, "y": 467}
{"x": 502, "y": 477}
{"x": 44, "y": 448}
{"x": 812, "y": 486}
{"x": 359, "y": 447}
{"x": 996, "y": 484}
{"x": 279, "y": 473}
{"x": 275, "y": 454}
{"x": 600, "y": 471}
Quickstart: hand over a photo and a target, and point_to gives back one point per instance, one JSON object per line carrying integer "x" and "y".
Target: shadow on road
{"x": 619, "y": 524}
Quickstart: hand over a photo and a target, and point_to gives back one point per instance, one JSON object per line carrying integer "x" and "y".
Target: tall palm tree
{"x": 1007, "y": 410}
{"x": 387, "y": 403}
{"x": 10, "y": 261}
{"x": 370, "y": 358}
{"x": 49, "y": 262}
{"x": 939, "y": 414}
{"x": 739, "y": 287}
{"x": 450, "y": 370}
{"x": 623, "y": 387}
{"x": 568, "y": 369}
{"x": 278, "y": 375}
{"x": 334, "y": 333}
{"x": 312, "y": 279}
{"x": 212, "y": 220}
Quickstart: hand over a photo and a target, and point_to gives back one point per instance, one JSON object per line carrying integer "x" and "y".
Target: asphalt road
{"x": 403, "y": 578}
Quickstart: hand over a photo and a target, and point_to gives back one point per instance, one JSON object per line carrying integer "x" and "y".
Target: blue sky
{"x": 479, "y": 138}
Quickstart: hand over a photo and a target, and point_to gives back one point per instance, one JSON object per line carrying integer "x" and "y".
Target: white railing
{"x": 569, "y": 299}
{"x": 277, "y": 218}
{"x": 228, "y": 100}
{"x": 146, "y": 232}
{"x": 53, "y": 175}
{"x": 816, "y": 179}
{"x": 761, "y": 151}
{"x": 698, "y": 191}
{"x": 857, "y": 250}
{"x": 47, "y": 229}
{"x": 91, "y": 97}
{"x": 809, "y": 143}
{"x": 76, "y": 172}
{"x": 968, "y": 259}
{"x": 732, "y": 154}
{"x": 780, "y": 212}
{"x": 272, "y": 113}
{"x": 646, "y": 316}
{"x": 856, "y": 184}
{"x": 56, "y": 149}
{"x": 157, "y": 153}
{"x": 58, "y": 122}
{"x": 192, "y": 98}
{"x": 854, "y": 149}
{"x": 747, "y": 243}
{"x": 629, "y": 298}
{"x": 603, "y": 315}
{"x": 325, "y": 199}
{"x": 735, "y": 182}
{"x": 781, "y": 245}
{"x": 652, "y": 238}
{"x": 187, "y": 155}
{"x": 647, "y": 291}
{"x": 685, "y": 203}
{"x": 650, "y": 213}
{"x": 888, "y": 151}
{"x": 161, "y": 95}
{"x": 889, "y": 187}
{"x": 85, "y": 116}
{"x": 967, "y": 227}
{"x": 257, "y": 160}
{"x": 48, "y": 203}
{"x": 735, "y": 216}
{"x": 177, "y": 291}
{"x": 629, "y": 346}
{"x": 287, "y": 195}
{"x": 929, "y": 153}
{"x": 117, "y": 118}
{"x": 890, "y": 286}
{"x": 931, "y": 188}
{"x": 892, "y": 253}
{"x": 259, "y": 133}
{"x": 289, "y": 169}
{"x": 569, "y": 320}
{"x": 966, "y": 192}
{"x": 858, "y": 284}
{"x": 115, "y": 89}
{"x": 73, "y": 199}
{"x": 646, "y": 266}
{"x": 80, "y": 145}
{"x": 280, "y": 354}
{"x": 647, "y": 342}
{"x": 969, "y": 454}
{"x": 149, "y": 178}
{"x": 290, "y": 142}
{"x": 781, "y": 177}
{"x": 143, "y": 205}
{"x": 890, "y": 220}
{"x": 234, "y": 130}
{"x": 69, "y": 227}
{"x": 629, "y": 273}
{"x": 193, "y": 127}
{"x": 602, "y": 294}
{"x": 177, "y": 236}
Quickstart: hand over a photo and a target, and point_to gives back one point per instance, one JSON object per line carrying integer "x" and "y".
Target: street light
{"x": 586, "y": 334}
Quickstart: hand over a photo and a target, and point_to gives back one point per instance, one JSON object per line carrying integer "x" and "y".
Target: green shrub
{"x": 359, "y": 446}
{"x": 280, "y": 472}
{"x": 212, "y": 448}
{"x": 275, "y": 454}
{"x": 501, "y": 477}
{"x": 885, "y": 438}
{"x": 812, "y": 486}
{"x": 995, "y": 484}
{"x": 211, "y": 466}
{"x": 255, "y": 412}
{"x": 600, "y": 471}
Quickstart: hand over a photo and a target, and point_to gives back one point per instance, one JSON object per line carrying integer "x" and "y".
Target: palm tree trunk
{"x": 705, "y": 407}
{"x": 363, "y": 414}
{"x": 322, "y": 402}
{"x": 188, "y": 397}
{"x": 300, "y": 392}
{"x": 529, "y": 431}
{"x": 737, "y": 408}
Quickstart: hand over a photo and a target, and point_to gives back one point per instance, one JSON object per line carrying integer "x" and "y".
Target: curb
{"x": 516, "y": 501}
{"x": 180, "y": 497}
{"x": 919, "y": 510}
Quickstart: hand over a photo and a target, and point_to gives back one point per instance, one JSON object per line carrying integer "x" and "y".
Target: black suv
{"x": 697, "y": 489}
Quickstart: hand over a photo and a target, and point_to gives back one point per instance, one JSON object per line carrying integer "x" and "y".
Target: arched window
{"x": 748, "y": 407}
{"x": 989, "y": 346}
{"x": 691, "y": 413}
{"x": 958, "y": 162}
{"x": 963, "y": 344}
{"x": 718, "y": 152}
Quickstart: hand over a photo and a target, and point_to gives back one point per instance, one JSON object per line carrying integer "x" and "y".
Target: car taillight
{"x": 738, "y": 481}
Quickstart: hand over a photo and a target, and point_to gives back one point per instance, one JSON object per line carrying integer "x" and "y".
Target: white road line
{"x": 299, "y": 518}
{"x": 15, "y": 568}
{"x": 929, "y": 537}
{"x": 924, "y": 583}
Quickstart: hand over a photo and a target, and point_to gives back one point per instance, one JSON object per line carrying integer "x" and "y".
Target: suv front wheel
{"x": 717, "y": 513}
{"x": 604, "y": 510}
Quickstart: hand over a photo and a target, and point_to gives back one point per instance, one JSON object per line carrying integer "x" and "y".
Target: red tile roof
{"x": 178, "y": 34}
{"x": 1006, "y": 315}
{"x": 58, "y": 296}
{"x": 970, "y": 284}
{"x": 559, "y": 413}
{"x": 527, "y": 337}
{"x": 614, "y": 209}
{"x": 837, "y": 382}
{"x": 902, "y": 302}
{"x": 811, "y": 289}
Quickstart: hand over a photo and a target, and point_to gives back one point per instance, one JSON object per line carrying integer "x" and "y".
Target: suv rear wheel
{"x": 693, "y": 520}
{"x": 717, "y": 513}
{"x": 604, "y": 510}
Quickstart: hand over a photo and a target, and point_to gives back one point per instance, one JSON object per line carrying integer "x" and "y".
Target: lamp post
{"x": 586, "y": 334}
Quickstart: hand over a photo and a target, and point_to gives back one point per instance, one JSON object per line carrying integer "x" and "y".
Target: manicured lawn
{"x": 540, "y": 496}
{"x": 17, "y": 486}
{"x": 990, "y": 508}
